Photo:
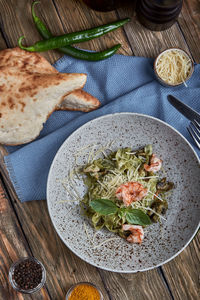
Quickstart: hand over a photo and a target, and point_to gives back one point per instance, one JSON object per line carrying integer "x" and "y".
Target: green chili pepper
{"x": 72, "y": 38}
{"x": 77, "y": 53}
{"x": 45, "y": 33}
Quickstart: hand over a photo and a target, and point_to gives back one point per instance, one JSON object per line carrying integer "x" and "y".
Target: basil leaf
{"x": 137, "y": 217}
{"x": 104, "y": 206}
{"x": 121, "y": 212}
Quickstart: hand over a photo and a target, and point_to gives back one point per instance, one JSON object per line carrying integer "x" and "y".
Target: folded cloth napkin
{"x": 123, "y": 84}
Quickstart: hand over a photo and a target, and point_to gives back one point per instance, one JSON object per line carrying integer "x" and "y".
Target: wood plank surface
{"x": 2, "y": 42}
{"x": 26, "y": 228}
{"x": 189, "y": 22}
{"x": 145, "y": 42}
{"x": 62, "y": 266}
{"x": 183, "y": 273}
{"x": 13, "y": 245}
{"x": 16, "y": 20}
{"x": 142, "y": 285}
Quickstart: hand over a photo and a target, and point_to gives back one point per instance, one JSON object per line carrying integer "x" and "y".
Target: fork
{"x": 194, "y": 130}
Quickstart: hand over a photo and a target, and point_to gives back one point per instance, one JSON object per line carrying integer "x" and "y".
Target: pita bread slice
{"x": 79, "y": 100}
{"x": 35, "y": 63}
{"x": 25, "y": 62}
{"x": 27, "y": 97}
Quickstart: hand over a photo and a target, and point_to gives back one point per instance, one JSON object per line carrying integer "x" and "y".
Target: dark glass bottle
{"x": 158, "y": 15}
{"x": 102, "y": 5}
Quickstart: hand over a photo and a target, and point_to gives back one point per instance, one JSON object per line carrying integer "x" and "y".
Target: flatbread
{"x": 79, "y": 100}
{"x": 28, "y": 96}
{"x": 24, "y": 61}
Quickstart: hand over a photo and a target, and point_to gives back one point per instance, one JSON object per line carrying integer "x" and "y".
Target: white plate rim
{"x": 47, "y": 192}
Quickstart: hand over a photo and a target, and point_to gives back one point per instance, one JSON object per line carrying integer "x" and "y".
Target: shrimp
{"x": 155, "y": 164}
{"x": 131, "y": 192}
{"x": 137, "y": 233}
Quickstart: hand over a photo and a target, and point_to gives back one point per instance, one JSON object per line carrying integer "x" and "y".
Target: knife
{"x": 184, "y": 109}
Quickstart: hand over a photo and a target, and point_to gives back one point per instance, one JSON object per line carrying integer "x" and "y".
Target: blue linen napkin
{"x": 123, "y": 84}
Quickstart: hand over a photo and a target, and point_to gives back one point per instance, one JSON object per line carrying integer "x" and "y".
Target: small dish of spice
{"x": 84, "y": 291}
{"x": 173, "y": 67}
{"x": 27, "y": 275}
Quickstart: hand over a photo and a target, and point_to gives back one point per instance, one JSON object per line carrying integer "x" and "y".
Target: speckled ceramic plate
{"x": 161, "y": 243}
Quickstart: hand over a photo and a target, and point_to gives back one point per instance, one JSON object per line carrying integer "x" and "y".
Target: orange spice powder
{"x": 84, "y": 292}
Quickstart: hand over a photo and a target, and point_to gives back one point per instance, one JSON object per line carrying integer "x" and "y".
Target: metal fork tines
{"x": 194, "y": 130}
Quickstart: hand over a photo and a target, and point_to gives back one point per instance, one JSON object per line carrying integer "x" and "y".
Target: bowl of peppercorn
{"x": 27, "y": 275}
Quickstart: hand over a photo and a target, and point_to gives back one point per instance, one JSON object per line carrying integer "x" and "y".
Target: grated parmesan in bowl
{"x": 173, "y": 67}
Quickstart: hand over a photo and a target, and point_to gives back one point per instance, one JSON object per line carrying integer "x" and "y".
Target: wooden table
{"x": 26, "y": 229}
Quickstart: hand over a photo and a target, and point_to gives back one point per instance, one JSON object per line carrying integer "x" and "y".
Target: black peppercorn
{"x": 27, "y": 275}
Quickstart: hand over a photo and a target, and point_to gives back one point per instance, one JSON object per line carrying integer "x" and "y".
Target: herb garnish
{"x": 107, "y": 207}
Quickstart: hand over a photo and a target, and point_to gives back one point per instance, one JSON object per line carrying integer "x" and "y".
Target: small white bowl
{"x": 164, "y": 83}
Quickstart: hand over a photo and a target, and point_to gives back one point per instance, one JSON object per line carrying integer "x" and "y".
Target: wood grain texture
{"x": 16, "y": 20}
{"x": 189, "y": 22}
{"x": 145, "y": 42}
{"x": 34, "y": 232}
{"x": 2, "y": 42}
{"x": 13, "y": 246}
{"x": 62, "y": 266}
{"x": 182, "y": 273}
{"x": 142, "y": 285}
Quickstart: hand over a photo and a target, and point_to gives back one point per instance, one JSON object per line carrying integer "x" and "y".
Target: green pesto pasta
{"x": 109, "y": 180}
